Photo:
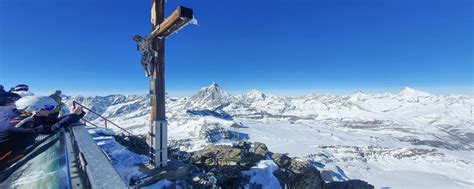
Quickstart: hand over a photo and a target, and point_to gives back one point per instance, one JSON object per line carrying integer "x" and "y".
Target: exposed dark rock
{"x": 216, "y": 155}
{"x": 281, "y": 160}
{"x": 221, "y": 166}
{"x": 183, "y": 156}
{"x": 259, "y": 149}
{"x": 251, "y": 156}
{"x": 350, "y": 184}
{"x": 222, "y": 161}
{"x": 135, "y": 144}
{"x": 450, "y": 145}
{"x": 283, "y": 177}
{"x": 227, "y": 162}
{"x": 227, "y": 176}
{"x": 216, "y": 113}
{"x": 244, "y": 145}
{"x": 214, "y": 133}
{"x": 327, "y": 175}
{"x": 304, "y": 175}
{"x": 299, "y": 166}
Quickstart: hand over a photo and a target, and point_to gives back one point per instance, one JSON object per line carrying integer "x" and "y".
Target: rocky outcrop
{"x": 295, "y": 173}
{"x": 135, "y": 144}
{"x": 282, "y": 160}
{"x": 350, "y": 184}
{"x": 219, "y": 155}
{"x": 222, "y": 166}
{"x": 259, "y": 150}
{"x": 226, "y": 163}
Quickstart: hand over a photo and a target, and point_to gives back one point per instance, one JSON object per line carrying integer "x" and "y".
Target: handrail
{"x": 88, "y": 122}
{"x": 74, "y": 103}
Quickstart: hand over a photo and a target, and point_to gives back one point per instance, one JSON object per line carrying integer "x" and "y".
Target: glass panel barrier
{"x": 44, "y": 167}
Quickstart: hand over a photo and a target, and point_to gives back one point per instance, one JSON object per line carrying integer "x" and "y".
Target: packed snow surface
{"x": 263, "y": 174}
{"x": 410, "y": 139}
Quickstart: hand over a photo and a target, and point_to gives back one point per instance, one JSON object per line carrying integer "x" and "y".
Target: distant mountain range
{"x": 367, "y": 136}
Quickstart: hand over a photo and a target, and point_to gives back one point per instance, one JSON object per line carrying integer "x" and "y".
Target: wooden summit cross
{"x": 153, "y": 47}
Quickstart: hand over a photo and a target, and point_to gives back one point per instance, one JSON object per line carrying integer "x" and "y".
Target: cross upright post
{"x": 153, "y": 60}
{"x": 159, "y": 125}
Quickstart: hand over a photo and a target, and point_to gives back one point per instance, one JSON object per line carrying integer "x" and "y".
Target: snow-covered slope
{"x": 404, "y": 140}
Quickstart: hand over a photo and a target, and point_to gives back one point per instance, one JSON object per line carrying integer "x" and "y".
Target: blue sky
{"x": 284, "y": 47}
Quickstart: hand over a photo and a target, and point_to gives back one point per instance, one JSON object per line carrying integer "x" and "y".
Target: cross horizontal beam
{"x": 180, "y": 17}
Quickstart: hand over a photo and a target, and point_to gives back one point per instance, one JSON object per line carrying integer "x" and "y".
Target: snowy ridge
{"x": 372, "y": 137}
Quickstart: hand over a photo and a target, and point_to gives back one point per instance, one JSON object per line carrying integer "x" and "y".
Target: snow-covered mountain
{"x": 410, "y": 139}
{"x": 210, "y": 98}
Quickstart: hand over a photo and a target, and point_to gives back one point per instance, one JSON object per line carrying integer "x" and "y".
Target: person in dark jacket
{"x": 7, "y": 103}
{"x": 8, "y": 98}
{"x": 20, "y": 130}
{"x": 56, "y": 96}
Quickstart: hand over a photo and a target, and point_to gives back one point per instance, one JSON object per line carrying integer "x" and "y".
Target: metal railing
{"x": 74, "y": 103}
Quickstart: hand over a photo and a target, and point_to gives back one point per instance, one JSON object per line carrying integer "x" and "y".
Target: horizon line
{"x": 467, "y": 91}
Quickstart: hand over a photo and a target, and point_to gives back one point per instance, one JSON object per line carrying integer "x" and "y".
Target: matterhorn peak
{"x": 211, "y": 96}
{"x": 214, "y": 85}
{"x": 216, "y": 89}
